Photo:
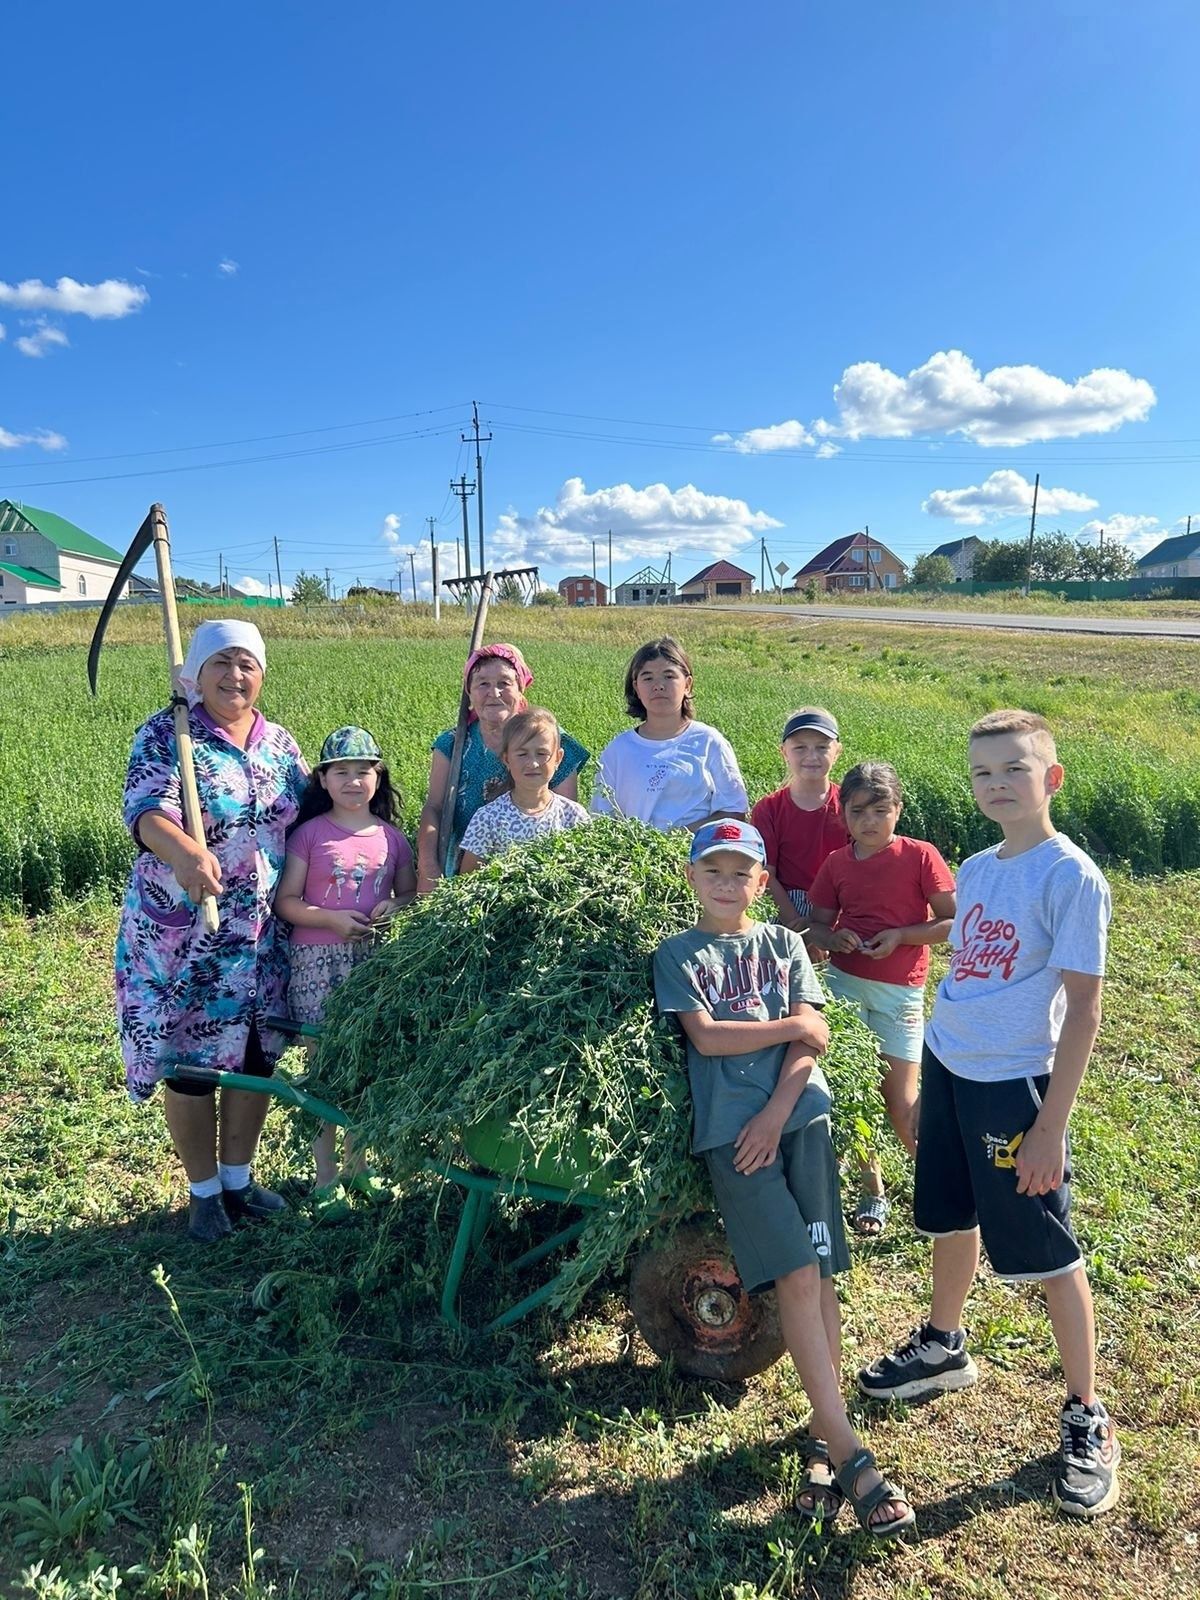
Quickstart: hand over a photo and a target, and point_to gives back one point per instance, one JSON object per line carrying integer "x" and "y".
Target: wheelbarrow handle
{"x": 294, "y": 1030}
{"x": 278, "y": 1088}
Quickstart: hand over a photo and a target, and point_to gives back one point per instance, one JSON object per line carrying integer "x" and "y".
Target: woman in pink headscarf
{"x": 496, "y": 678}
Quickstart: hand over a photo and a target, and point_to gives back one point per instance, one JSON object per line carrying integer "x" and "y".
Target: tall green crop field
{"x": 1126, "y": 712}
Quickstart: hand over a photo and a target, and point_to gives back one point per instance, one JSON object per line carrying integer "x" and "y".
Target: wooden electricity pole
{"x": 462, "y": 489}
{"x": 1037, "y": 478}
{"x": 478, "y": 439}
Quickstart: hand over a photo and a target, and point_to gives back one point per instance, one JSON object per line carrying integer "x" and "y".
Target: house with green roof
{"x": 45, "y": 557}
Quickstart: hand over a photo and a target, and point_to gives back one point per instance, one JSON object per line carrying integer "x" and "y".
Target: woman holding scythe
{"x": 187, "y": 993}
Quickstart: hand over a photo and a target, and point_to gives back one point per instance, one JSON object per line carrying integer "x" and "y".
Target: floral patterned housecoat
{"x": 184, "y": 994}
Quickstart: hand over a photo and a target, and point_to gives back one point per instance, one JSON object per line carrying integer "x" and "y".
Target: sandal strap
{"x": 870, "y": 1500}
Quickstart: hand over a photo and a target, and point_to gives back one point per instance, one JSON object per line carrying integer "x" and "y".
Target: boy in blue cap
{"x": 1006, "y": 1048}
{"x": 748, "y": 1002}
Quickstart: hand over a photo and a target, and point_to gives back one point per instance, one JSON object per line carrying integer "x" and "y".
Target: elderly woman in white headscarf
{"x": 183, "y": 994}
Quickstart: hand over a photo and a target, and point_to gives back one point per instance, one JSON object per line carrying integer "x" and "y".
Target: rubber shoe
{"x": 923, "y": 1365}
{"x": 253, "y": 1203}
{"x": 208, "y": 1219}
{"x": 1086, "y": 1483}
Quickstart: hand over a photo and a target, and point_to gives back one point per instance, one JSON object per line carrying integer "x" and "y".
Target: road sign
{"x": 781, "y": 567}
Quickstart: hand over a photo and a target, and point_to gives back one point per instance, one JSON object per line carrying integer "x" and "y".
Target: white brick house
{"x": 45, "y": 557}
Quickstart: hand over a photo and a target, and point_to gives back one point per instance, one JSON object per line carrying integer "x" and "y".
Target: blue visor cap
{"x": 816, "y": 720}
{"x": 728, "y": 834}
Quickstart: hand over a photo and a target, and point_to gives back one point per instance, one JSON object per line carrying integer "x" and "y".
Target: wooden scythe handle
{"x": 192, "y": 817}
{"x": 450, "y": 798}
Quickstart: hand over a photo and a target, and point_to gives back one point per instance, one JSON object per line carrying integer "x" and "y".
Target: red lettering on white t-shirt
{"x": 989, "y": 946}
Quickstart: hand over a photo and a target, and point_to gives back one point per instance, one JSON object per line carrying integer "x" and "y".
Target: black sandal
{"x": 870, "y": 1500}
{"x": 820, "y": 1481}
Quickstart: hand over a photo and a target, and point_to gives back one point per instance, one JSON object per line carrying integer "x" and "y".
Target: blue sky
{"x": 713, "y": 274}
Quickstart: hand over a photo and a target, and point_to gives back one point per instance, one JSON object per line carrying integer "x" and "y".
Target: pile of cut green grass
{"x": 522, "y": 994}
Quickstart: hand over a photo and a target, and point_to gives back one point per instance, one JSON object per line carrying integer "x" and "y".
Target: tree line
{"x": 1055, "y": 558}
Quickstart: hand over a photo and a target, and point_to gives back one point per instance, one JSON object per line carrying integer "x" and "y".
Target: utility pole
{"x": 479, "y": 439}
{"x": 328, "y": 586}
{"x": 437, "y": 594}
{"x": 762, "y": 565}
{"x": 412, "y": 567}
{"x": 278, "y": 573}
{"x": 610, "y": 587}
{"x": 432, "y": 521}
{"x": 595, "y": 590}
{"x": 462, "y": 489}
{"x": 1037, "y": 478}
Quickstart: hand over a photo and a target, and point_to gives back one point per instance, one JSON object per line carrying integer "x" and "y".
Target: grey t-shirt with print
{"x": 739, "y": 977}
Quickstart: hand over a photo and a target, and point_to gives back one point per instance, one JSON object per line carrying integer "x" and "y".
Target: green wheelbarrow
{"x": 684, "y": 1291}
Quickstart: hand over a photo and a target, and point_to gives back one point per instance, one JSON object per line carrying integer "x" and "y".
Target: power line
{"x": 229, "y": 444}
{"x": 241, "y": 461}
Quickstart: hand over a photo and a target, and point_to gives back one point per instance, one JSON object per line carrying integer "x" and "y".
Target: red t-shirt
{"x": 798, "y": 841}
{"x": 890, "y": 889}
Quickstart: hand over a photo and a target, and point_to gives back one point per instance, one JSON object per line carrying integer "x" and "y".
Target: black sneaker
{"x": 253, "y": 1203}
{"x": 1086, "y": 1482}
{"x": 208, "y": 1220}
{"x": 924, "y": 1364}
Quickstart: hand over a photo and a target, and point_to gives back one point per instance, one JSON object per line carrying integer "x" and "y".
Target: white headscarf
{"x": 208, "y": 639}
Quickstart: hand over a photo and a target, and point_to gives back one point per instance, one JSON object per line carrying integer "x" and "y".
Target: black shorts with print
{"x": 966, "y": 1173}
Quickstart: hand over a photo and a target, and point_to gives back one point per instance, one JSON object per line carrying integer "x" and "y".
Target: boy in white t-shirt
{"x": 1013, "y": 1026}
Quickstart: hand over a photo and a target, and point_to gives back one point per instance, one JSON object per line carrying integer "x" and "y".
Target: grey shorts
{"x": 785, "y": 1216}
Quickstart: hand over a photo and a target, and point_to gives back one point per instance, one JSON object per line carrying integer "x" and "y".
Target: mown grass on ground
{"x": 287, "y": 1415}
{"x": 1125, "y": 710}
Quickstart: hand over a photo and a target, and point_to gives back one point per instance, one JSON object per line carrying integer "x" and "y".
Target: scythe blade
{"x": 142, "y": 540}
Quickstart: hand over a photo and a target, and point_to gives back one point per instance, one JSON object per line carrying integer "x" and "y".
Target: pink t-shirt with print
{"x": 346, "y": 871}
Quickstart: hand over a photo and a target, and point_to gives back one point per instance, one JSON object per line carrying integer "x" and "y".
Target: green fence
{"x": 1085, "y": 589}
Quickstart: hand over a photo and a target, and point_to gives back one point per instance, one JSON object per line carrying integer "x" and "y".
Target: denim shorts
{"x": 894, "y": 1012}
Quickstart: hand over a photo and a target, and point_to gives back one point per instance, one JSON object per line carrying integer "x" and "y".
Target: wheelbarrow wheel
{"x": 690, "y": 1305}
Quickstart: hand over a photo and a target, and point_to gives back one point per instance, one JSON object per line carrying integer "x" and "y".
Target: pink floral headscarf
{"x": 498, "y": 652}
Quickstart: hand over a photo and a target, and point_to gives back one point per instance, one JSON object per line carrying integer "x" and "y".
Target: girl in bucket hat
{"x": 348, "y": 870}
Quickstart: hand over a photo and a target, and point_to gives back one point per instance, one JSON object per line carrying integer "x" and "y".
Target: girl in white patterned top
{"x": 531, "y": 751}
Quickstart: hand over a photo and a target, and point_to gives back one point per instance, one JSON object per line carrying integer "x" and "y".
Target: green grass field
{"x": 291, "y": 1418}
{"x": 1126, "y": 712}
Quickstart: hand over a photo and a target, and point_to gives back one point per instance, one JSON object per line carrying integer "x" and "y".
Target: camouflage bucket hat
{"x": 349, "y": 744}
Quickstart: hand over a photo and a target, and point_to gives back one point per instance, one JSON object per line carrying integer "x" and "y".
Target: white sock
{"x": 206, "y": 1188}
{"x": 233, "y": 1177}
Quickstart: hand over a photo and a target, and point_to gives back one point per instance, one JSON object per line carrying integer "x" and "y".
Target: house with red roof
{"x": 720, "y": 580}
{"x": 855, "y": 562}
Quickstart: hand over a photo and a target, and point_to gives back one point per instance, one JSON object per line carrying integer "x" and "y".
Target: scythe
{"x": 154, "y": 531}
{"x": 446, "y": 823}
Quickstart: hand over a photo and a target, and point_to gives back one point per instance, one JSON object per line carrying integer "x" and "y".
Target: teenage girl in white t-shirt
{"x": 670, "y": 771}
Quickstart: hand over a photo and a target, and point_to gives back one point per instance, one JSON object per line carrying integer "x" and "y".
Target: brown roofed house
{"x": 855, "y": 562}
{"x": 720, "y": 580}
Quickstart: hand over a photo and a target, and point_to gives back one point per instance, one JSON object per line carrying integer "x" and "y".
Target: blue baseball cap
{"x": 727, "y": 833}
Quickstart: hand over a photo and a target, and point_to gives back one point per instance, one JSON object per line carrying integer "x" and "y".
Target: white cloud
{"x": 949, "y": 395}
{"x": 644, "y": 522}
{"x": 390, "y": 531}
{"x": 1137, "y": 533}
{"x": 227, "y": 267}
{"x": 45, "y": 336}
{"x": 249, "y": 585}
{"x": 1002, "y": 494}
{"x": 111, "y": 299}
{"x": 791, "y": 435}
{"x": 43, "y": 438}
{"x": 1006, "y": 406}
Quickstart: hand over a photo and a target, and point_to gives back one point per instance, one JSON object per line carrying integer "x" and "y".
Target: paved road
{"x": 1144, "y": 628}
